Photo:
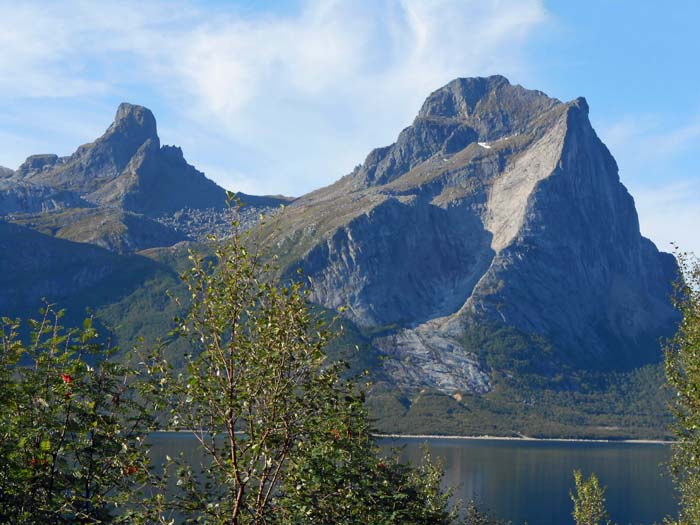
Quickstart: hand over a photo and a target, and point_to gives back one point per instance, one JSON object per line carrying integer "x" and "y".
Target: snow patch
{"x": 484, "y": 145}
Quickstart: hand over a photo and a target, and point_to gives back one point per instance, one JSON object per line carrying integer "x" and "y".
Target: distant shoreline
{"x": 524, "y": 438}
{"x": 485, "y": 438}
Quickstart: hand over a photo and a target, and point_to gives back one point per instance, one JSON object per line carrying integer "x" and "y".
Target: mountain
{"x": 490, "y": 261}
{"x": 498, "y": 207}
{"x": 123, "y": 191}
{"x": 127, "y": 168}
{"x": 73, "y": 275}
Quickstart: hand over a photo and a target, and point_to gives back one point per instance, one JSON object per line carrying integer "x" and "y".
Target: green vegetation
{"x": 257, "y": 372}
{"x": 71, "y": 429}
{"x": 288, "y": 439}
{"x": 589, "y": 501}
{"x": 683, "y": 371}
{"x": 565, "y": 402}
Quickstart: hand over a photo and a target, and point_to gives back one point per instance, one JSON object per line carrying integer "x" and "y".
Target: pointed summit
{"x": 133, "y": 132}
{"x": 134, "y": 122}
{"x": 459, "y": 97}
{"x": 497, "y": 205}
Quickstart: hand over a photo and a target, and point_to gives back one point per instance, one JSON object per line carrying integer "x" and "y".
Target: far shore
{"x": 524, "y": 438}
{"x": 486, "y": 438}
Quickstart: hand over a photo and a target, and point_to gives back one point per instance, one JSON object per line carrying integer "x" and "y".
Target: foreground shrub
{"x": 71, "y": 432}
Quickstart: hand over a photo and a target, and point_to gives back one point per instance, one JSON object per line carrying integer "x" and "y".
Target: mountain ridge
{"x": 123, "y": 191}
{"x": 490, "y": 259}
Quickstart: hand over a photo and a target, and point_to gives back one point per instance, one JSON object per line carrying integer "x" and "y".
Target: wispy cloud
{"x": 669, "y": 213}
{"x": 650, "y": 136}
{"x": 658, "y": 162}
{"x": 296, "y": 99}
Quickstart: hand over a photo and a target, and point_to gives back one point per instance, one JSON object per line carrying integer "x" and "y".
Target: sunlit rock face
{"x": 497, "y": 205}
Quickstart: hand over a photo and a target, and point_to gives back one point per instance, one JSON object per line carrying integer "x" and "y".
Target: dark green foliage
{"x": 683, "y": 372}
{"x": 533, "y": 396}
{"x": 340, "y": 477}
{"x": 71, "y": 430}
{"x": 474, "y": 516}
{"x": 605, "y": 406}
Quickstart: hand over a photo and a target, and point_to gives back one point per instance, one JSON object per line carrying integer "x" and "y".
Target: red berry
{"x": 66, "y": 379}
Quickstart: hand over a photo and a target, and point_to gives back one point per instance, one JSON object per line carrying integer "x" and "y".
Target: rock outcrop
{"x": 123, "y": 191}
{"x": 24, "y": 197}
{"x": 498, "y": 204}
{"x": 127, "y": 168}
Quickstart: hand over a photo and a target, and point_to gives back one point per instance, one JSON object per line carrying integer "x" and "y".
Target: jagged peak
{"x": 464, "y": 111}
{"x": 484, "y": 97}
{"x": 135, "y": 122}
{"x": 581, "y": 104}
{"x": 133, "y": 114}
{"x": 38, "y": 162}
{"x": 458, "y": 97}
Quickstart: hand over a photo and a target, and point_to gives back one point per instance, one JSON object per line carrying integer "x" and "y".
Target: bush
{"x": 71, "y": 431}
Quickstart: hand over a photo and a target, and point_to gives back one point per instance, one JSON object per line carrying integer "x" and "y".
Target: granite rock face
{"x": 501, "y": 205}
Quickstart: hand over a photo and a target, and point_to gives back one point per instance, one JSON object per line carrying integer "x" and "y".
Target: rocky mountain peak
{"x": 497, "y": 205}
{"x": 458, "y": 98}
{"x": 492, "y": 106}
{"x": 580, "y": 103}
{"x": 37, "y": 163}
{"x": 134, "y": 122}
{"x": 463, "y": 112}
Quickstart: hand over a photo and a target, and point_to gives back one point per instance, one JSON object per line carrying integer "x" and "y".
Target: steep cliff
{"x": 499, "y": 206}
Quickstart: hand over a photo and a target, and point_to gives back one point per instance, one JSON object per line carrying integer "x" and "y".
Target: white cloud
{"x": 650, "y": 137}
{"x": 300, "y": 98}
{"x": 669, "y": 213}
{"x": 314, "y": 93}
{"x": 658, "y": 162}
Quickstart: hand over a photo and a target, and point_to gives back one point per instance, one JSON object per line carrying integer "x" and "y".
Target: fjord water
{"x": 527, "y": 481}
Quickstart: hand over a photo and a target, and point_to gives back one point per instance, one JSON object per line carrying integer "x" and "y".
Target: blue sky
{"x": 286, "y": 96}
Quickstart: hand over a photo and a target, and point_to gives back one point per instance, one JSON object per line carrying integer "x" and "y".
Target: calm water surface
{"x": 529, "y": 482}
